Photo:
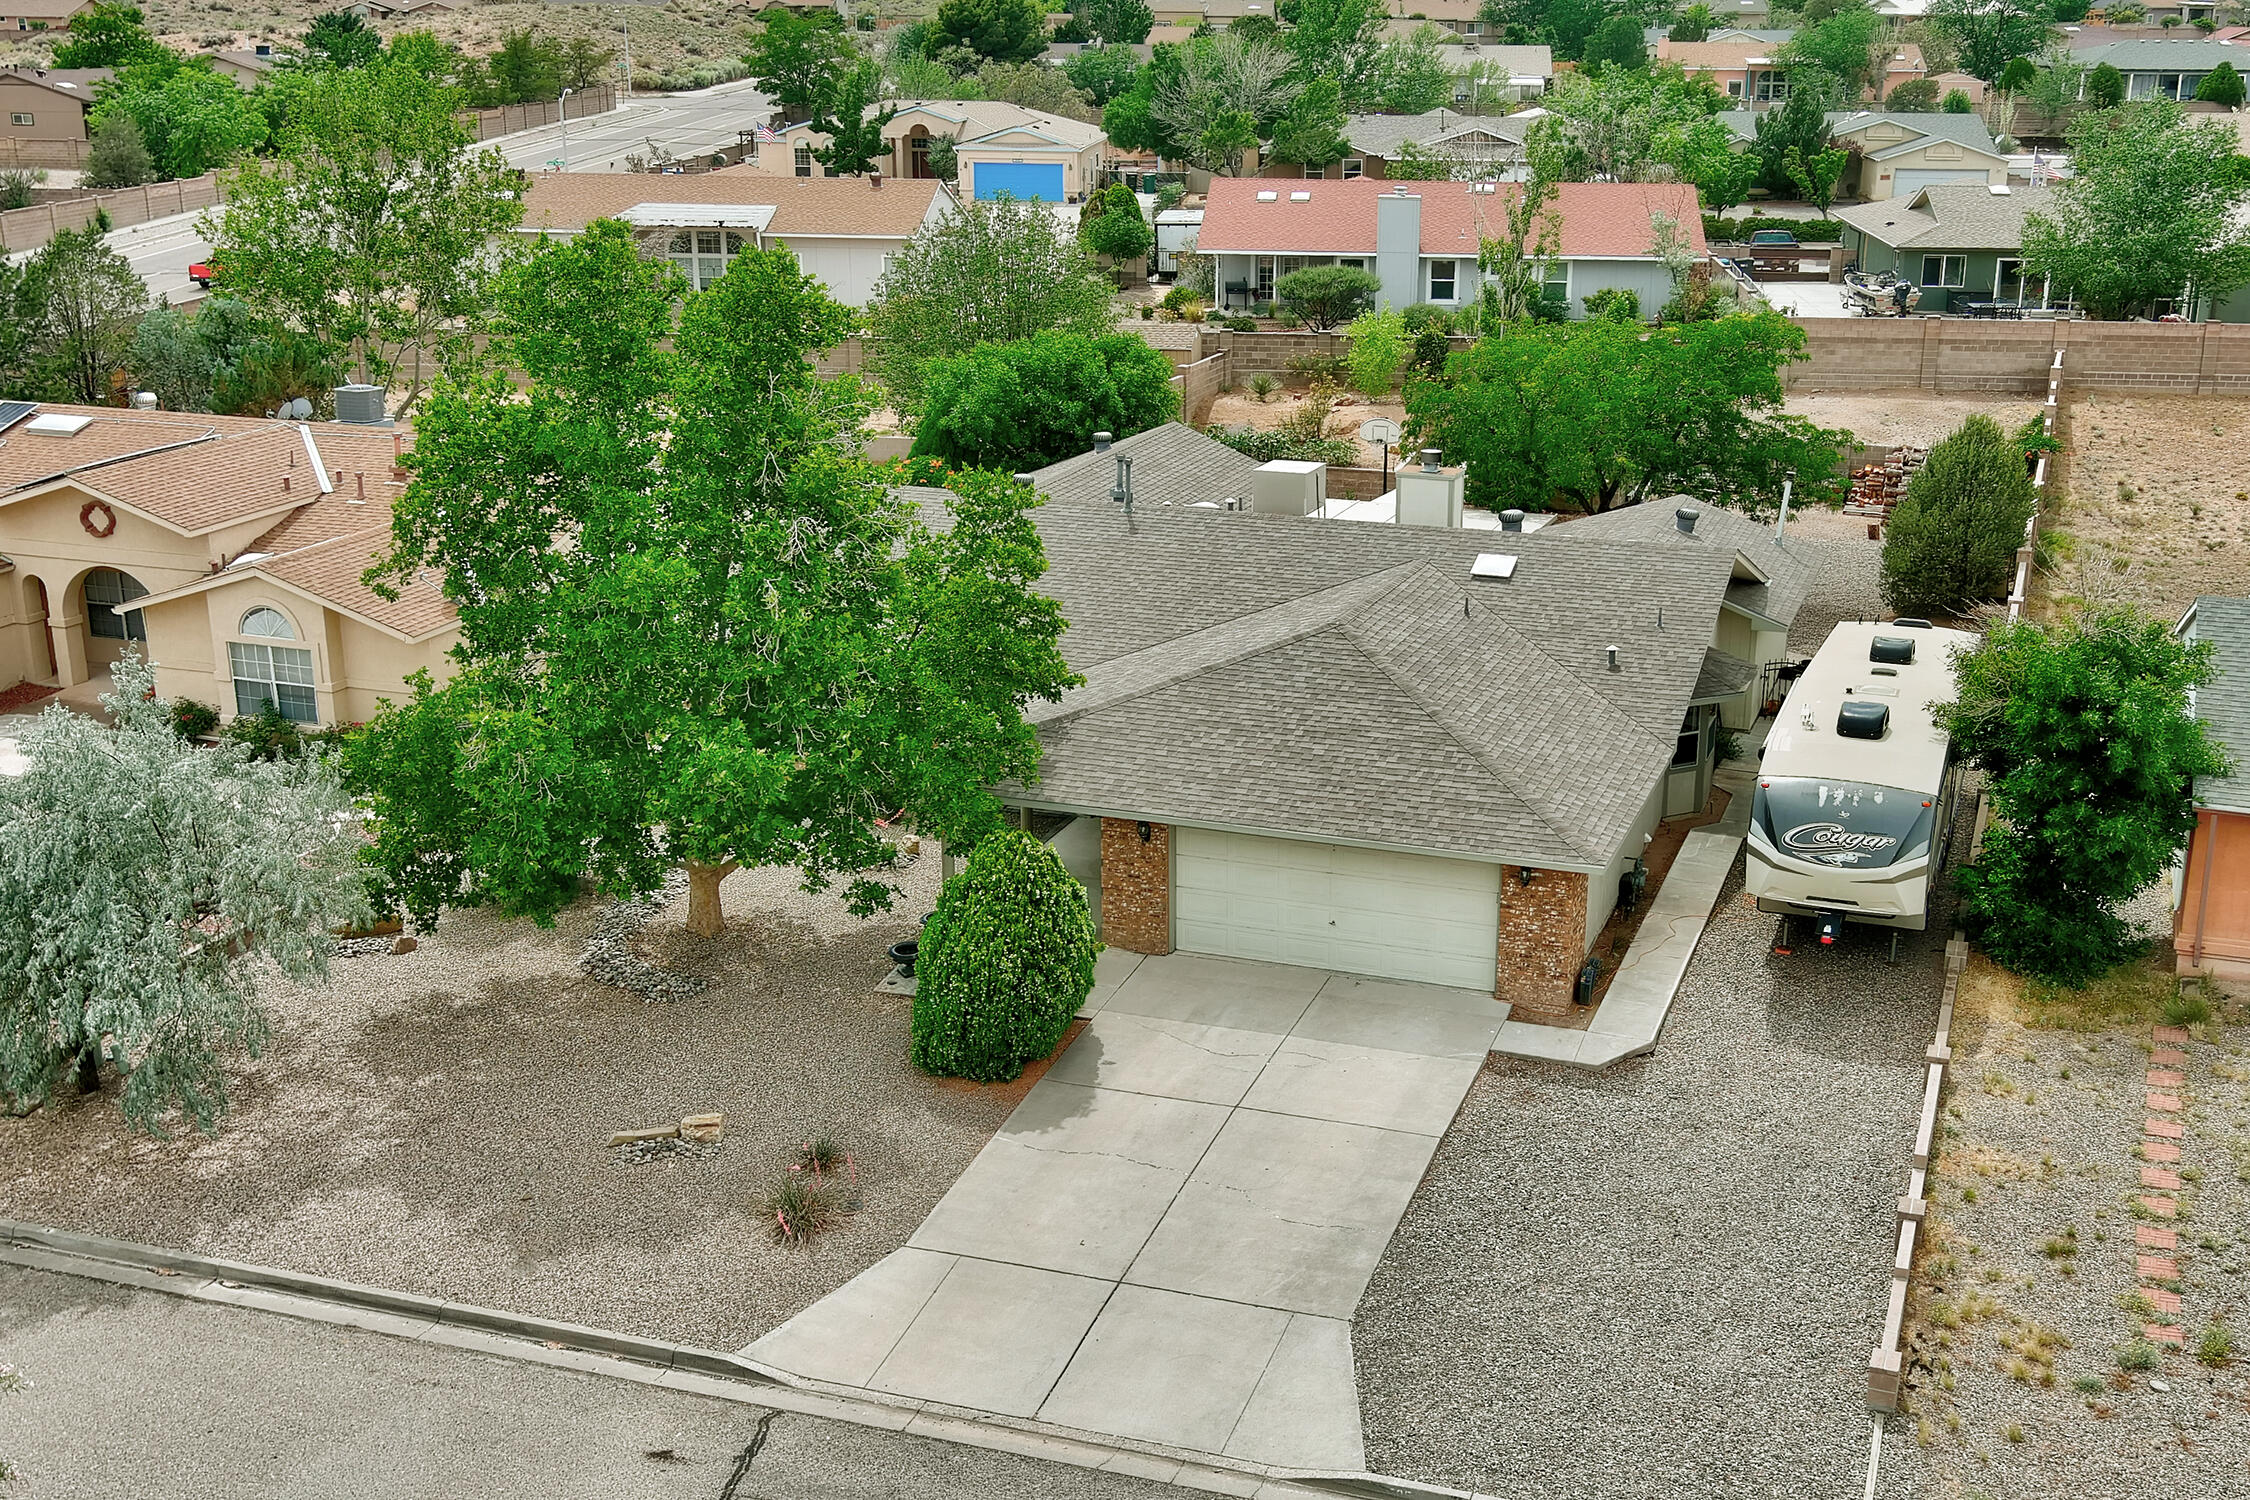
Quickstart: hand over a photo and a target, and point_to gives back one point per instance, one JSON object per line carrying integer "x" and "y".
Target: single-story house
{"x": 998, "y": 148}
{"x": 1414, "y": 752}
{"x": 1463, "y": 18}
{"x": 1217, "y": 14}
{"x": 1747, "y": 68}
{"x": 47, "y": 107}
{"x": 238, "y": 544}
{"x": 248, "y": 67}
{"x": 1483, "y": 145}
{"x": 1897, "y": 153}
{"x": 1172, "y": 465}
{"x": 2162, "y": 69}
{"x": 843, "y": 230}
{"x": 23, "y": 17}
{"x": 2211, "y": 887}
{"x": 1962, "y": 242}
{"x": 1421, "y": 238}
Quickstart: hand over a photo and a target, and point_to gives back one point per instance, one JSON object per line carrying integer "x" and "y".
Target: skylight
{"x": 57, "y": 424}
{"x": 1300, "y": 197}
{"x": 1493, "y": 565}
{"x": 1269, "y": 197}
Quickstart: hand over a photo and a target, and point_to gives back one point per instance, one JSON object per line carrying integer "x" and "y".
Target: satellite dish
{"x": 297, "y": 410}
{"x": 1378, "y": 430}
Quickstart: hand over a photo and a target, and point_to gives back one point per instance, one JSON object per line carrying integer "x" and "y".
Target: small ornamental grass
{"x": 1006, "y": 961}
{"x": 802, "y": 1206}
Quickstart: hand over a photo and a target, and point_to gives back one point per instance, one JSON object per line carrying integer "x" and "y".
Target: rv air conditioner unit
{"x": 1863, "y": 721}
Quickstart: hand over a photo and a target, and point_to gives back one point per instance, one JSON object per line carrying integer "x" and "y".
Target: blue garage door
{"x": 1020, "y": 179}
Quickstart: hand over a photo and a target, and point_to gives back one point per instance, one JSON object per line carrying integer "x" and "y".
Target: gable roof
{"x": 71, "y": 83}
{"x": 1786, "y": 563}
{"x": 977, "y": 119}
{"x": 1172, "y": 464}
{"x": 1384, "y": 135}
{"x": 1955, "y": 216}
{"x": 1968, "y": 131}
{"x": 2224, "y": 705}
{"x": 2154, "y": 55}
{"x": 810, "y": 206}
{"x": 1318, "y": 679}
{"x": 1608, "y": 220}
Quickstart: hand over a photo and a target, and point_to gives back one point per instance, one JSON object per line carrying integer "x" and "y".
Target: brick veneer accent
{"x": 1136, "y": 886}
{"x": 1542, "y": 938}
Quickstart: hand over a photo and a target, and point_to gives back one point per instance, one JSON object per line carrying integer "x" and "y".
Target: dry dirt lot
{"x": 2028, "y": 1376}
{"x": 1238, "y": 408}
{"x": 2156, "y": 504}
{"x": 1881, "y": 418}
{"x": 437, "y": 1122}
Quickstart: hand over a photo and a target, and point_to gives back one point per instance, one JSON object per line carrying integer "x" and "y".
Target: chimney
{"x": 1101, "y": 442}
{"x": 1431, "y": 494}
{"x": 1685, "y": 518}
{"x": 1398, "y": 246}
{"x": 1511, "y": 520}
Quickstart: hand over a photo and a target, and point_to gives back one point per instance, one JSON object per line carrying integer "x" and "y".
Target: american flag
{"x": 765, "y": 134}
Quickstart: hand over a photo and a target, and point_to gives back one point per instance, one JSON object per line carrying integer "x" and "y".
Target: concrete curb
{"x": 678, "y": 1367}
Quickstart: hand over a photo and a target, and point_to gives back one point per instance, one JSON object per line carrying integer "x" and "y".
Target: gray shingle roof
{"x": 1333, "y": 680}
{"x": 2155, "y": 55}
{"x": 1956, "y": 216}
{"x": 1962, "y": 130}
{"x": 1172, "y": 463}
{"x": 2224, "y": 706}
{"x": 1787, "y": 563}
{"x": 1722, "y": 676}
{"x": 1383, "y": 135}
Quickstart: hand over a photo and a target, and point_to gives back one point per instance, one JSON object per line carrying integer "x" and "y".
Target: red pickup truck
{"x": 203, "y": 273}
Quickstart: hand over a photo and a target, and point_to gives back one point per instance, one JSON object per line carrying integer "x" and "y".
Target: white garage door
{"x": 1328, "y": 906}
{"x": 1912, "y": 180}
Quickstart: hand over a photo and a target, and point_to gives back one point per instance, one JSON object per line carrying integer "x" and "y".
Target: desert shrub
{"x": 1431, "y": 348}
{"x": 268, "y": 734}
{"x": 1377, "y": 350}
{"x": 1262, "y": 386}
{"x": 193, "y": 720}
{"x": 1316, "y": 367}
{"x": 1179, "y": 298}
{"x": 2216, "y": 1346}
{"x": 1619, "y": 303}
{"x": 2187, "y": 1008}
{"x": 1243, "y": 325}
{"x": 2138, "y": 1355}
{"x": 1951, "y": 542}
{"x": 1268, "y": 446}
{"x": 801, "y": 1206}
{"x": 1327, "y": 296}
{"x": 1006, "y": 960}
{"x": 1423, "y": 316}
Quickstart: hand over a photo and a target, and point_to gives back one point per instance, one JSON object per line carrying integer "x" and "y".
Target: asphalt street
{"x": 682, "y": 124}
{"x": 138, "y": 1394}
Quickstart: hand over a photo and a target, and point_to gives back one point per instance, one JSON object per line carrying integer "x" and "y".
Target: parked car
{"x": 1781, "y": 238}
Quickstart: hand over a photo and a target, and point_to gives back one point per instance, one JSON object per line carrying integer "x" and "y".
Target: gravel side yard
{"x": 2021, "y": 1306}
{"x": 437, "y": 1121}
{"x": 1664, "y": 1279}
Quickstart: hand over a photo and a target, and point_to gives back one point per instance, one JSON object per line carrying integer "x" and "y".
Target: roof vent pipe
{"x": 1612, "y": 653}
{"x": 1101, "y": 442}
{"x": 1686, "y": 517}
{"x": 1511, "y": 520}
{"x": 1429, "y": 460}
{"x": 1122, "y": 491}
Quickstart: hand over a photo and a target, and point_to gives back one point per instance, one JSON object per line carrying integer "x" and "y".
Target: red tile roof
{"x": 1599, "y": 219}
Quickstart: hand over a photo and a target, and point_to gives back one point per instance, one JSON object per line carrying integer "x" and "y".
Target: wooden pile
{"x": 1876, "y": 488}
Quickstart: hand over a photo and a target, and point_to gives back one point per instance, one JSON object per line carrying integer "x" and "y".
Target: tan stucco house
{"x": 1896, "y": 155}
{"x": 229, "y": 548}
{"x": 1000, "y": 148}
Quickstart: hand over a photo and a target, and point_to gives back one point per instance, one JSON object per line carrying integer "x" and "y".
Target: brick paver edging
{"x": 2156, "y": 1246}
{"x": 677, "y": 1367}
{"x": 1884, "y": 1365}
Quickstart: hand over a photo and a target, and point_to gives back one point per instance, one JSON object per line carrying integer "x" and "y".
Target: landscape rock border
{"x": 609, "y": 957}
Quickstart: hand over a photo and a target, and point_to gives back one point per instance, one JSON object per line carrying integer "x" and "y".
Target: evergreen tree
{"x": 1951, "y": 540}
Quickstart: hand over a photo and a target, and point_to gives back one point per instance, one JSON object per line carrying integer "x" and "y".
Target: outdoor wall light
{"x": 1144, "y": 833}
{"x": 1524, "y": 874}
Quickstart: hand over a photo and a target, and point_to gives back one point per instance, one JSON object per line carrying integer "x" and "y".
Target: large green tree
{"x": 1599, "y": 414}
{"x": 83, "y": 300}
{"x": 1102, "y": 73}
{"x": 109, "y": 34}
{"x": 1849, "y": 46}
{"x": 342, "y": 39}
{"x": 2152, "y": 211}
{"x": 1002, "y": 30}
{"x": 1223, "y": 98}
{"x": 1120, "y": 23}
{"x": 1951, "y": 540}
{"x": 373, "y": 233}
{"x": 1616, "y": 127}
{"x": 1706, "y": 153}
{"x": 1112, "y": 225}
{"x": 1800, "y": 128}
{"x": 2086, "y": 735}
{"x": 192, "y": 119}
{"x": 1021, "y": 406}
{"x": 697, "y": 625}
{"x": 797, "y": 56}
{"x": 147, "y": 886}
{"x": 1340, "y": 41}
{"x": 991, "y": 272}
{"x": 852, "y": 116}
{"x": 1987, "y": 34}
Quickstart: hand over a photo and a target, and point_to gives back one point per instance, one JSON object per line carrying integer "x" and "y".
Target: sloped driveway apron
{"x": 1168, "y": 1238}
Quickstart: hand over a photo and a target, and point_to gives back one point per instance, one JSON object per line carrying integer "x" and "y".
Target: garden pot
{"x": 902, "y": 954}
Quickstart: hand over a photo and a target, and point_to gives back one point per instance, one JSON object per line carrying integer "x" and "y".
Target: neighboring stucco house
{"x": 45, "y": 111}
{"x": 248, "y": 67}
{"x": 1485, "y": 145}
{"x": 2162, "y": 69}
{"x": 1958, "y": 243}
{"x": 1372, "y": 748}
{"x": 843, "y": 230}
{"x": 999, "y": 148}
{"x": 1747, "y": 68}
{"x": 1421, "y": 238}
{"x": 238, "y": 544}
{"x": 23, "y": 17}
{"x": 1894, "y": 154}
{"x": 2211, "y": 887}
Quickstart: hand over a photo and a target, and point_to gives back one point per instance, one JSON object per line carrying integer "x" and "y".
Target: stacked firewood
{"x": 1876, "y": 488}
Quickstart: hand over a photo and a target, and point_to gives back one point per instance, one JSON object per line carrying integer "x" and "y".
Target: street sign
{"x": 1378, "y": 430}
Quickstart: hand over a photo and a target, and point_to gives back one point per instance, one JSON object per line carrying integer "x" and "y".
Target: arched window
{"x": 271, "y": 624}
{"x": 702, "y": 254}
{"x": 106, "y": 588}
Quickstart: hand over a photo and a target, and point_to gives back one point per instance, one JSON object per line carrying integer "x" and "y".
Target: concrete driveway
{"x": 1168, "y": 1239}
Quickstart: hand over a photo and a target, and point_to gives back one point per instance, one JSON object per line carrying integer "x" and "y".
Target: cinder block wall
{"x": 1966, "y": 354}
{"x": 1136, "y": 886}
{"x": 1542, "y": 937}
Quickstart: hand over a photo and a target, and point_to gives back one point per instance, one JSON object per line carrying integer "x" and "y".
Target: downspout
{"x": 2203, "y": 888}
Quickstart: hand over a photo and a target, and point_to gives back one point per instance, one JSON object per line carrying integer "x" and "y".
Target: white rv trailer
{"x": 1855, "y": 790}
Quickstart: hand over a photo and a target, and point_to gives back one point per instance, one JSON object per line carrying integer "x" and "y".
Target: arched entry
{"x": 107, "y": 631}
{"x": 37, "y": 614}
{"x": 918, "y": 152}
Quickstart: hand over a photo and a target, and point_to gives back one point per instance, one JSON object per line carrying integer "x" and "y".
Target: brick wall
{"x": 1136, "y": 886}
{"x": 1973, "y": 354}
{"x": 1542, "y": 938}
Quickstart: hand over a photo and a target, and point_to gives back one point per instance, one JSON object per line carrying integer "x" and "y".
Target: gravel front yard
{"x": 2021, "y": 1304}
{"x": 1664, "y": 1279}
{"x": 437, "y": 1121}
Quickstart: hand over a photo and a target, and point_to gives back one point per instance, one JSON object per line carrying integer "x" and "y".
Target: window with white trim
{"x": 702, "y": 254}
{"x": 20, "y": 119}
{"x": 1354, "y": 167}
{"x": 265, "y": 674}
{"x": 106, "y": 588}
{"x": 1945, "y": 270}
{"x": 804, "y": 161}
{"x": 1443, "y": 279}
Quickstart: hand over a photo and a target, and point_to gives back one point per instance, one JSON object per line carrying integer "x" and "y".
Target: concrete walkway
{"x": 1632, "y": 1014}
{"x": 1168, "y": 1239}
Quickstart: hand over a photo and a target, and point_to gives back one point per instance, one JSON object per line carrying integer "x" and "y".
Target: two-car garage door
{"x": 1330, "y": 906}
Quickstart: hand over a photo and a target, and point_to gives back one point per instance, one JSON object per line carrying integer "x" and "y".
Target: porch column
{"x": 68, "y": 632}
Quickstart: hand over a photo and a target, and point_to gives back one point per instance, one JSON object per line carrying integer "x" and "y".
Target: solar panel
{"x": 12, "y": 412}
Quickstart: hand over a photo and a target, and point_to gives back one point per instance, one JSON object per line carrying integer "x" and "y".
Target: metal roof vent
{"x": 1429, "y": 460}
{"x": 361, "y": 405}
{"x": 1861, "y": 720}
{"x": 144, "y": 400}
{"x": 1493, "y": 565}
{"x": 1121, "y": 493}
{"x": 1611, "y": 653}
{"x": 1892, "y": 650}
{"x": 1511, "y": 520}
{"x": 1686, "y": 517}
{"x": 1101, "y": 442}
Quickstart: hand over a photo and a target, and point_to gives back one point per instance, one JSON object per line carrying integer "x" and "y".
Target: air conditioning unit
{"x": 1289, "y": 487}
